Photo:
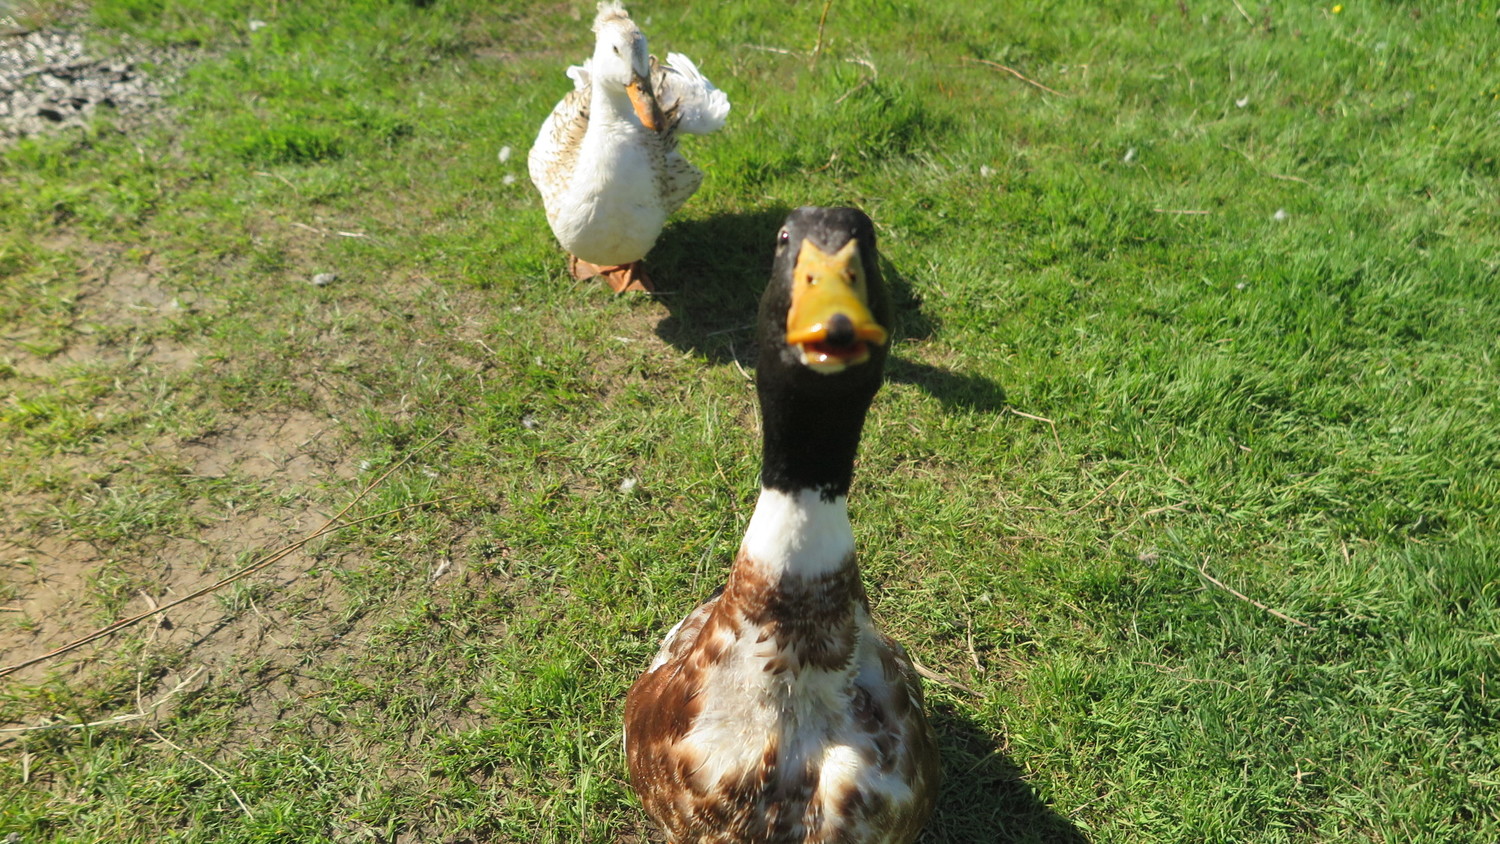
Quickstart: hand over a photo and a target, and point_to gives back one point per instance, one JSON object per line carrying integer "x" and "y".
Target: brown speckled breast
{"x": 779, "y": 715}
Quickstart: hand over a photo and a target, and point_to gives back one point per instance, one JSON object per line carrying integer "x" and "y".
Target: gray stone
{"x": 52, "y": 80}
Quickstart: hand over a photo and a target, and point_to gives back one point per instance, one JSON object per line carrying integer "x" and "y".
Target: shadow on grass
{"x": 953, "y": 389}
{"x": 985, "y": 797}
{"x": 913, "y": 323}
{"x": 711, "y": 273}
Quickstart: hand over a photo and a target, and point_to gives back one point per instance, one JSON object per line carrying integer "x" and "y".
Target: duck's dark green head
{"x": 826, "y": 300}
{"x": 824, "y": 332}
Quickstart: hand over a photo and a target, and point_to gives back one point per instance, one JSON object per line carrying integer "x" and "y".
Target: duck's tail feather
{"x": 580, "y": 75}
{"x": 700, "y": 108}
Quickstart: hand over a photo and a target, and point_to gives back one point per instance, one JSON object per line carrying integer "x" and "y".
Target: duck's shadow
{"x": 985, "y": 798}
{"x": 711, "y": 273}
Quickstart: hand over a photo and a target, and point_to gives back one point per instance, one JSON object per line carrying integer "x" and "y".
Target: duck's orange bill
{"x": 644, "y": 102}
{"x": 824, "y": 288}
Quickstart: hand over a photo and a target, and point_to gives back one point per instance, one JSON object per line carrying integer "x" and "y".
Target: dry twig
{"x": 327, "y": 232}
{"x": 1203, "y": 570}
{"x": 265, "y": 175}
{"x": 1055, "y": 438}
{"x": 211, "y": 769}
{"x": 874, "y": 74}
{"x": 1101, "y": 494}
{"x": 1017, "y": 74}
{"x": 778, "y": 50}
{"x": 1173, "y": 671}
{"x": 822, "y": 19}
{"x": 941, "y": 678}
{"x": 139, "y": 713}
{"x": 1257, "y": 165}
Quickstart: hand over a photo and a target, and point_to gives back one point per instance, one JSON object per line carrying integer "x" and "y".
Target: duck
{"x": 606, "y": 160}
{"x": 777, "y": 712}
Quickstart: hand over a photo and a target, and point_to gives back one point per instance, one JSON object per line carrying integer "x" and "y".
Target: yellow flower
{"x": 1337, "y": 9}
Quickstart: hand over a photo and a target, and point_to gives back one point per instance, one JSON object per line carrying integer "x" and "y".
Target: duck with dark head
{"x": 776, "y": 713}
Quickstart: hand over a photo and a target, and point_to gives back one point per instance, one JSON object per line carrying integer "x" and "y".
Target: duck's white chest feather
{"x": 805, "y": 755}
{"x": 611, "y": 211}
{"x": 776, "y": 712}
{"x": 601, "y": 174}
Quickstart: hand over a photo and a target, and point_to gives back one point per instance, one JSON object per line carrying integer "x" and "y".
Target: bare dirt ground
{"x": 53, "y": 584}
{"x": 257, "y": 636}
{"x": 262, "y": 639}
{"x": 53, "y": 580}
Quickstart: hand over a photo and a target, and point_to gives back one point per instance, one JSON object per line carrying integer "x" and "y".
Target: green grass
{"x": 1238, "y": 582}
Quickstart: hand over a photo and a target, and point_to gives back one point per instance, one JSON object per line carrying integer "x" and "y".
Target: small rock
{"x": 529, "y": 422}
{"x": 1280, "y": 215}
{"x": 508, "y": 179}
{"x": 985, "y": 171}
{"x": 504, "y": 154}
{"x": 324, "y": 279}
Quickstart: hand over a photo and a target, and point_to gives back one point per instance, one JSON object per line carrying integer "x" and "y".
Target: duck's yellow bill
{"x": 829, "y": 319}
{"x": 643, "y": 100}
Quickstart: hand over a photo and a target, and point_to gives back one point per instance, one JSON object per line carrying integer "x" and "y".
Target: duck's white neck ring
{"x": 798, "y": 533}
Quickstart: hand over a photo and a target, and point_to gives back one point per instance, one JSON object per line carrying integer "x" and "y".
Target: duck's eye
{"x": 782, "y": 238}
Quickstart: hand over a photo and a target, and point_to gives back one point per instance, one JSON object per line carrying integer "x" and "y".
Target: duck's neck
{"x": 809, "y": 445}
{"x": 795, "y": 580}
{"x": 795, "y": 585}
{"x": 801, "y": 522}
{"x": 611, "y": 109}
{"x": 797, "y": 535}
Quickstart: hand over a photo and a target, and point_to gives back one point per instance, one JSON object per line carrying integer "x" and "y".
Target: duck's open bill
{"x": 643, "y": 100}
{"x": 830, "y": 319}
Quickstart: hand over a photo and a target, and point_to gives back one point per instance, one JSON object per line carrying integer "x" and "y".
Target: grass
{"x": 1186, "y": 468}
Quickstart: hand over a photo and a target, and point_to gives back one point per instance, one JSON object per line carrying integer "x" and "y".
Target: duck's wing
{"x": 689, "y": 103}
{"x": 555, "y": 152}
{"x": 680, "y": 181}
{"x": 891, "y": 708}
{"x": 684, "y": 633}
{"x": 692, "y": 102}
{"x": 659, "y": 710}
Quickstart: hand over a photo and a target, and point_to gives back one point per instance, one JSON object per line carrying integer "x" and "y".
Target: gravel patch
{"x": 51, "y": 79}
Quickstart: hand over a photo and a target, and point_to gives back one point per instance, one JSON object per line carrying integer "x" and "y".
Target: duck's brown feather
{"x": 790, "y": 784}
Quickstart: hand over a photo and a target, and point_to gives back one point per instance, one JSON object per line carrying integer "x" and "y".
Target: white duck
{"x": 606, "y": 159}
